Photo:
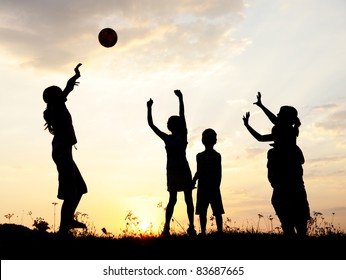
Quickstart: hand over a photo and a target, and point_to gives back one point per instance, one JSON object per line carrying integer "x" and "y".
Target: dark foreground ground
{"x": 21, "y": 243}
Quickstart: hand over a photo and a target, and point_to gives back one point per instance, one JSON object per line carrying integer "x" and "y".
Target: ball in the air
{"x": 108, "y": 37}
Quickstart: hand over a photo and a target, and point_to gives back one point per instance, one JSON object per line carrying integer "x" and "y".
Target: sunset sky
{"x": 218, "y": 53}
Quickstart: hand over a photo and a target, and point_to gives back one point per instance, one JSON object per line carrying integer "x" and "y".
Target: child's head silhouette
{"x": 174, "y": 124}
{"x": 288, "y": 115}
{"x": 209, "y": 137}
{"x": 286, "y": 130}
{"x": 51, "y": 93}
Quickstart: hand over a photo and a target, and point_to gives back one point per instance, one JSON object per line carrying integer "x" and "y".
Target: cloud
{"x": 327, "y": 107}
{"x": 334, "y": 123}
{"x": 51, "y": 34}
{"x": 330, "y": 166}
{"x": 253, "y": 152}
{"x": 328, "y": 159}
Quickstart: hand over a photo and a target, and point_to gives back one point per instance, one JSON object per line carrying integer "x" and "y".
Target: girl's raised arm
{"x": 157, "y": 131}
{"x": 72, "y": 81}
{"x": 272, "y": 117}
{"x": 254, "y": 133}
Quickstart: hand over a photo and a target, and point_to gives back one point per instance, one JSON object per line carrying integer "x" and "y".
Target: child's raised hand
{"x": 246, "y": 118}
{"x": 178, "y": 93}
{"x": 150, "y": 103}
{"x": 259, "y": 101}
{"x": 76, "y": 69}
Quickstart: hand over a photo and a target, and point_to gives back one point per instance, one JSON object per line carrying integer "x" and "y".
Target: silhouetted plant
{"x": 40, "y": 224}
{"x": 318, "y": 226}
{"x": 175, "y": 222}
{"x": 106, "y": 233}
{"x": 133, "y": 227}
{"x": 90, "y": 229}
{"x": 260, "y": 216}
{"x": 30, "y": 214}
{"x": 270, "y": 217}
{"x": 9, "y": 216}
{"x": 54, "y": 204}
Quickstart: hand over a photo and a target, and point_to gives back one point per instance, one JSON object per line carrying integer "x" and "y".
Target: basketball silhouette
{"x": 108, "y": 37}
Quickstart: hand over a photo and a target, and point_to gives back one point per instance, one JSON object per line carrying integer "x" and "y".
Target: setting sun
{"x": 145, "y": 226}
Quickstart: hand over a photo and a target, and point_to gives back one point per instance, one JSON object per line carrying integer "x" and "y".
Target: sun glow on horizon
{"x": 145, "y": 226}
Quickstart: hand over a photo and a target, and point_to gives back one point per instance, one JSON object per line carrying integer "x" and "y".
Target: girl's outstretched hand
{"x": 246, "y": 118}
{"x": 178, "y": 93}
{"x": 76, "y": 69}
{"x": 259, "y": 101}
{"x": 150, "y": 103}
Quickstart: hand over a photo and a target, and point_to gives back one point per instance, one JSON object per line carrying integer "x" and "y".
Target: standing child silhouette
{"x": 179, "y": 177}
{"x": 59, "y": 123}
{"x": 285, "y": 171}
{"x": 208, "y": 174}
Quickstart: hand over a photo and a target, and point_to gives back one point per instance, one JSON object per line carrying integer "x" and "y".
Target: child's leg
{"x": 203, "y": 222}
{"x": 190, "y": 212}
{"x": 189, "y": 207}
{"x": 302, "y": 227}
{"x": 66, "y": 215}
{"x": 287, "y": 228}
{"x": 68, "y": 209}
{"x": 170, "y": 208}
{"x": 219, "y": 222}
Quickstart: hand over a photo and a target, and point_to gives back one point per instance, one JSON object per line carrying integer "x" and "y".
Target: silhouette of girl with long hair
{"x": 179, "y": 177}
{"x": 285, "y": 171}
{"x": 71, "y": 185}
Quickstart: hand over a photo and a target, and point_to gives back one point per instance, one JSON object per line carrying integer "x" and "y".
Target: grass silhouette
{"x": 20, "y": 242}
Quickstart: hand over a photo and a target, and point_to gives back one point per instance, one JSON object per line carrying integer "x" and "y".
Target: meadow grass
{"x": 317, "y": 226}
{"x": 245, "y": 242}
